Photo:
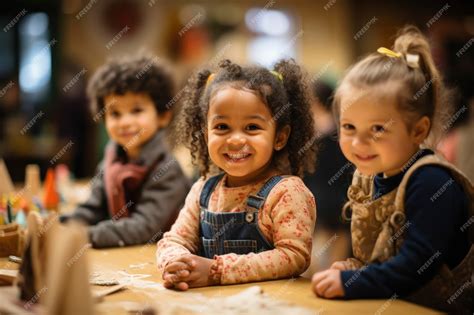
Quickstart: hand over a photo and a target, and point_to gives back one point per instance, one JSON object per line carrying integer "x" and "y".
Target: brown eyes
{"x": 221, "y": 127}
{"x": 117, "y": 114}
{"x": 253, "y": 127}
{"x": 250, "y": 127}
{"x": 377, "y": 128}
{"x": 348, "y": 127}
{"x": 374, "y": 128}
{"x": 114, "y": 114}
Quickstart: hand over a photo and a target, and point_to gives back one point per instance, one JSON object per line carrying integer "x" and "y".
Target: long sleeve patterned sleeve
{"x": 183, "y": 238}
{"x": 287, "y": 221}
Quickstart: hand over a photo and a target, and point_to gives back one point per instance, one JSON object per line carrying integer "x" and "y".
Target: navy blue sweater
{"x": 436, "y": 207}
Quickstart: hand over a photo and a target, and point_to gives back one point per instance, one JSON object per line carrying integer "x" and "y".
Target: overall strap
{"x": 209, "y": 186}
{"x": 257, "y": 201}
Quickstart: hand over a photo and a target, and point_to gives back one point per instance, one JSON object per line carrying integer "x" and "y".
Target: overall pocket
{"x": 240, "y": 247}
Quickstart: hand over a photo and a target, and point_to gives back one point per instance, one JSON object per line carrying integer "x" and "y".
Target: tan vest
{"x": 378, "y": 227}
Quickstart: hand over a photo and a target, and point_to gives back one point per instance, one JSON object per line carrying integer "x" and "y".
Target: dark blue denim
{"x": 237, "y": 232}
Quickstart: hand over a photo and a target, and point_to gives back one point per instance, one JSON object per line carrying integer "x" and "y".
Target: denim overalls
{"x": 237, "y": 232}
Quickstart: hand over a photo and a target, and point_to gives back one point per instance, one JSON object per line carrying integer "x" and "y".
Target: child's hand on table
{"x": 176, "y": 271}
{"x": 339, "y": 265}
{"x": 328, "y": 284}
{"x": 188, "y": 271}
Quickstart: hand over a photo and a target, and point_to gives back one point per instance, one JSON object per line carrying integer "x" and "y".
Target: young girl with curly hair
{"x": 254, "y": 220}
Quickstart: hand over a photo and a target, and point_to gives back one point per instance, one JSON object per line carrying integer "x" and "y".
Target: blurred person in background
{"x": 329, "y": 183}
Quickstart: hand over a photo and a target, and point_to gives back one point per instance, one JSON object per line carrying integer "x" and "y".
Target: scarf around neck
{"x": 121, "y": 177}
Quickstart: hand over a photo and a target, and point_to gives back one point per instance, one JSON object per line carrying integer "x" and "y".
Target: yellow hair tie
{"x": 277, "y": 74}
{"x": 210, "y": 78}
{"x": 389, "y": 53}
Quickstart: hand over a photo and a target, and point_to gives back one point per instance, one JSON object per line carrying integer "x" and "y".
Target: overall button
{"x": 249, "y": 217}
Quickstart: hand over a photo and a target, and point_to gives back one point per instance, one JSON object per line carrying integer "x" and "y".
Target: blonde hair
{"x": 419, "y": 89}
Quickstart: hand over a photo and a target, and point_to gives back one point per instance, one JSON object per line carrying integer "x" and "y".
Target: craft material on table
{"x": 249, "y": 301}
{"x": 14, "y": 259}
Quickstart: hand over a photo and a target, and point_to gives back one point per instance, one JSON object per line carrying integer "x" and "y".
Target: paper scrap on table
{"x": 250, "y": 301}
{"x": 100, "y": 293}
{"x": 110, "y": 278}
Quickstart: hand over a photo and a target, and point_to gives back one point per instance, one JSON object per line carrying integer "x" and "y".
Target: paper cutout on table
{"x": 127, "y": 307}
{"x": 103, "y": 277}
{"x": 99, "y": 278}
{"x": 100, "y": 293}
{"x": 139, "y": 266}
{"x": 250, "y": 301}
{"x": 54, "y": 269}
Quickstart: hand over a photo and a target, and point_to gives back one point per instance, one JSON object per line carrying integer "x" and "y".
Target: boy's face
{"x": 131, "y": 120}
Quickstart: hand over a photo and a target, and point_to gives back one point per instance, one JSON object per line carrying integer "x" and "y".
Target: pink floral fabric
{"x": 287, "y": 221}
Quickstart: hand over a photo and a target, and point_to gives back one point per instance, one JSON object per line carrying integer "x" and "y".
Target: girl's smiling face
{"x": 241, "y": 136}
{"x": 374, "y": 135}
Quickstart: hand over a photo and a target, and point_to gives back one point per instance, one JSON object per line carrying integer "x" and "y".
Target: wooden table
{"x": 136, "y": 266}
{"x": 145, "y": 289}
{"x": 141, "y": 260}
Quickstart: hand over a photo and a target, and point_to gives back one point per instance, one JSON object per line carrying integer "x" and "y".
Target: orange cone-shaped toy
{"x": 51, "y": 197}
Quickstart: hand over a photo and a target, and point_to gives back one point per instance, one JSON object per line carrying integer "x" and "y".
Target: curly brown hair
{"x": 286, "y": 96}
{"x": 142, "y": 74}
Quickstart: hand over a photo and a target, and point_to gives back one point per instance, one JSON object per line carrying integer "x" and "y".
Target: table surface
{"x": 141, "y": 260}
{"x": 137, "y": 266}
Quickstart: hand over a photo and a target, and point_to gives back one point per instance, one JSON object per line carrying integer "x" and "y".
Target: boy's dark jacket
{"x": 153, "y": 207}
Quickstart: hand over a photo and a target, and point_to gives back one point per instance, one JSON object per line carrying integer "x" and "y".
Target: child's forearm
{"x": 183, "y": 238}
{"x": 168, "y": 250}
{"x": 273, "y": 264}
{"x": 180, "y": 240}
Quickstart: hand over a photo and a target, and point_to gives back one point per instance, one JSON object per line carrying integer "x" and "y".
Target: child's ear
{"x": 421, "y": 130}
{"x": 281, "y": 138}
{"x": 164, "y": 119}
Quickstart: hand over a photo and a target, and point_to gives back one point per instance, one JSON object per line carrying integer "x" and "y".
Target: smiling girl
{"x": 411, "y": 209}
{"x": 254, "y": 220}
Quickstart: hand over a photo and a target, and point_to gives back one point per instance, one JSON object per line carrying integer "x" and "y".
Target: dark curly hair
{"x": 285, "y": 96}
{"x": 141, "y": 74}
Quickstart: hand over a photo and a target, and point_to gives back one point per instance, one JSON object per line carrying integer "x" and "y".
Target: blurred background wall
{"x": 48, "y": 50}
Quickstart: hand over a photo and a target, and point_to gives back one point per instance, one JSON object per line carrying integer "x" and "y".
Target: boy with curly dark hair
{"x": 254, "y": 221}
{"x": 139, "y": 187}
